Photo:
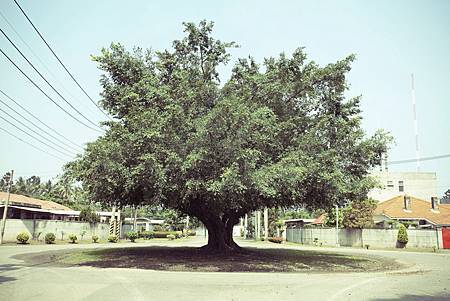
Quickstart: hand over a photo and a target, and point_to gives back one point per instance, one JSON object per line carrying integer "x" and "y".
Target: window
{"x": 401, "y": 186}
{"x": 390, "y": 184}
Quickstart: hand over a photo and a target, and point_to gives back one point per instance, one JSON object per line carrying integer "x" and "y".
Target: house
{"x": 23, "y": 207}
{"x": 405, "y": 208}
{"x": 301, "y": 222}
{"x": 144, "y": 224}
{"x": 422, "y": 185}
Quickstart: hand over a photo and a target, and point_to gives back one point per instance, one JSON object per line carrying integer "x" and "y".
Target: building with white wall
{"x": 422, "y": 185}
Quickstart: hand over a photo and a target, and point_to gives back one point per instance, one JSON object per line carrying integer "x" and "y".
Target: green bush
{"x": 171, "y": 236}
{"x": 402, "y": 236}
{"x": 277, "y": 240}
{"x": 132, "y": 236}
{"x": 113, "y": 238}
{"x": 158, "y": 228}
{"x": 23, "y": 237}
{"x": 146, "y": 235}
{"x": 163, "y": 234}
{"x": 73, "y": 238}
{"x": 50, "y": 238}
{"x": 94, "y": 238}
{"x": 193, "y": 233}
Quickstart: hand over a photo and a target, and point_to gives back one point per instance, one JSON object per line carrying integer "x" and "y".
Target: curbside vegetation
{"x": 402, "y": 236}
{"x": 132, "y": 236}
{"x": 73, "y": 238}
{"x": 277, "y": 240}
{"x": 113, "y": 239}
{"x": 50, "y": 238}
{"x": 22, "y": 238}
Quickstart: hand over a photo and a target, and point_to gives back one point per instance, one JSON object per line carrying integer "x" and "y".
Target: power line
{"x": 44, "y": 65}
{"x": 34, "y": 146}
{"x": 40, "y": 74}
{"x": 62, "y": 64}
{"x": 40, "y": 135}
{"x": 43, "y": 92}
{"x": 31, "y": 122}
{"x": 421, "y": 159}
{"x": 36, "y": 118}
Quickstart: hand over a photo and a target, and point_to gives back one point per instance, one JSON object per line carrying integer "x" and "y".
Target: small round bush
{"x": 132, "y": 236}
{"x": 94, "y": 238}
{"x": 171, "y": 236}
{"x": 23, "y": 237}
{"x": 73, "y": 238}
{"x": 402, "y": 236}
{"x": 113, "y": 238}
{"x": 50, "y": 238}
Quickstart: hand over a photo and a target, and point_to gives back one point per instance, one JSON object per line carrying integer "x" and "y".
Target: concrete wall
{"x": 378, "y": 238}
{"x": 34, "y": 227}
{"x": 422, "y": 185}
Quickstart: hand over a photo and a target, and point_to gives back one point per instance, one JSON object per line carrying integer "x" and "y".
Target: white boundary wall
{"x": 59, "y": 228}
{"x": 378, "y": 238}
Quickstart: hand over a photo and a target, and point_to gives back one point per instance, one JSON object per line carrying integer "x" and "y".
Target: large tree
{"x": 277, "y": 134}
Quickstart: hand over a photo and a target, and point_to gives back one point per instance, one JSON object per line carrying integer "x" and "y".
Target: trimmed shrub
{"x": 73, "y": 238}
{"x": 113, "y": 238}
{"x": 23, "y": 237}
{"x": 191, "y": 233}
{"x": 50, "y": 238}
{"x": 146, "y": 234}
{"x": 132, "y": 236}
{"x": 402, "y": 236}
{"x": 277, "y": 240}
{"x": 163, "y": 234}
{"x": 94, "y": 239}
{"x": 158, "y": 228}
{"x": 171, "y": 236}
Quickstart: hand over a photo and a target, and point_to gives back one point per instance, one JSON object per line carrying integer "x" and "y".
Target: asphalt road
{"x": 427, "y": 278}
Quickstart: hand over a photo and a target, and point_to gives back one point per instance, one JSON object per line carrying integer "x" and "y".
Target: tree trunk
{"x": 220, "y": 235}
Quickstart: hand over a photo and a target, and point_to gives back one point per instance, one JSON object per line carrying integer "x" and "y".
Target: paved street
{"x": 427, "y": 278}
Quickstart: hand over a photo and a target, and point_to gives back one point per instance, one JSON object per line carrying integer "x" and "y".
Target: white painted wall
{"x": 377, "y": 238}
{"x": 422, "y": 185}
{"x": 34, "y": 227}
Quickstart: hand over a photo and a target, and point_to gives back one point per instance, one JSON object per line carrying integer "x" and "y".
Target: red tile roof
{"x": 48, "y": 205}
{"x": 420, "y": 209}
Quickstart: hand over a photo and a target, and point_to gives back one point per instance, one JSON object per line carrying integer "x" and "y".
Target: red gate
{"x": 446, "y": 238}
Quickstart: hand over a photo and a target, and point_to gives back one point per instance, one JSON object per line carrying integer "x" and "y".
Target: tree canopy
{"x": 277, "y": 133}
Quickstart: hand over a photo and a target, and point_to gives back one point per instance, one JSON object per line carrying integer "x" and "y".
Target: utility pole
{"x": 245, "y": 225}
{"x": 266, "y": 224}
{"x": 9, "y": 179}
{"x": 135, "y": 219}
{"x": 337, "y": 226}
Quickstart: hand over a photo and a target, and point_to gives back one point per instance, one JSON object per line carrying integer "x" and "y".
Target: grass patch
{"x": 194, "y": 259}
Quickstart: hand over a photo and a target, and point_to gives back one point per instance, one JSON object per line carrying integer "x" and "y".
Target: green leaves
{"x": 277, "y": 134}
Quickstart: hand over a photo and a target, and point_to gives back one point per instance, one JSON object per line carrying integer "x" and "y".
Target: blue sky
{"x": 391, "y": 39}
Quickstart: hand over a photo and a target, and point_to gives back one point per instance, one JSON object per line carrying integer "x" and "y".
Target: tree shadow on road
{"x": 6, "y": 268}
{"x": 194, "y": 259}
{"x": 440, "y": 297}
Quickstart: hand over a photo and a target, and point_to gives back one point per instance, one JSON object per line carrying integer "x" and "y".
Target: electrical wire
{"x": 420, "y": 159}
{"x": 35, "y": 125}
{"x": 43, "y": 92}
{"x": 55, "y": 78}
{"x": 34, "y": 146}
{"x": 40, "y": 121}
{"x": 59, "y": 60}
{"x": 40, "y": 135}
{"x": 48, "y": 83}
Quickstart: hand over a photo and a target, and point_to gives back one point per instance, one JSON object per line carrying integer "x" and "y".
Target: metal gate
{"x": 446, "y": 238}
